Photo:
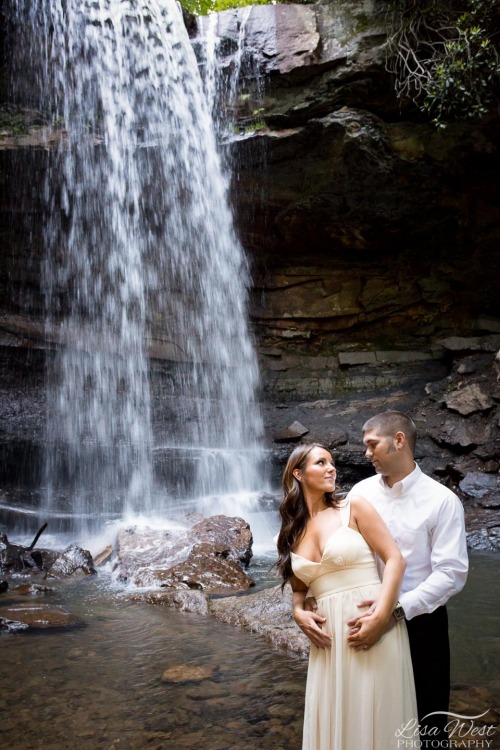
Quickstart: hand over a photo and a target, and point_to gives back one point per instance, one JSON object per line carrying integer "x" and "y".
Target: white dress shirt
{"x": 427, "y": 521}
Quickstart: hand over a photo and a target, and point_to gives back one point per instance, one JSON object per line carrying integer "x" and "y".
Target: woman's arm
{"x": 309, "y": 622}
{"x": 370, "y": 627}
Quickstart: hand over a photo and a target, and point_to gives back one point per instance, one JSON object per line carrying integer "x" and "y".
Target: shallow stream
{"x": 100, "y": 687}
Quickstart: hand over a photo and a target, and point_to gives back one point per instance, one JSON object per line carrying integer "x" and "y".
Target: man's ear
{"x": 400, "y": 440}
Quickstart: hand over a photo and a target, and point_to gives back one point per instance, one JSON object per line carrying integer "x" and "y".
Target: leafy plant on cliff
{"x": 202, "y": 7}
{"x": 445, "y": 55}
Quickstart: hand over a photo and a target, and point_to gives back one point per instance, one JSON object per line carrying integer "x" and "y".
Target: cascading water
{"x": 231, "y": 73}
{"x": 221, "y": 86}
{"x": 142, "y": 259}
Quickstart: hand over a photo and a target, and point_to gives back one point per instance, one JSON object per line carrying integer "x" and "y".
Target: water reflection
{"x": 101, "y": 687}
{"x": 475, "y": 625}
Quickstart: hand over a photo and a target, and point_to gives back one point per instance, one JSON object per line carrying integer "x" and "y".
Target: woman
{"x": 360, "y": 688}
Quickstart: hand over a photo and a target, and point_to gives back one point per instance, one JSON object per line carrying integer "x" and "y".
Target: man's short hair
{"x": 388, "y": 423}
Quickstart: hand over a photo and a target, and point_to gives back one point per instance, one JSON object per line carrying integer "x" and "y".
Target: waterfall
{"x": 142, "y": 264}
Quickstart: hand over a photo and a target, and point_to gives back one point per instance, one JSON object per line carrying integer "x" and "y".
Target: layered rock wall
{"x": 369, "y": 231}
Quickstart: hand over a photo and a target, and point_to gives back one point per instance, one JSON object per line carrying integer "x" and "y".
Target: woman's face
{"x": 318, "y": 475}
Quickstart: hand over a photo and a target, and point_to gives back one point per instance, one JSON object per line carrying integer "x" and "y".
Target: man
{"x": 427, "y": 521}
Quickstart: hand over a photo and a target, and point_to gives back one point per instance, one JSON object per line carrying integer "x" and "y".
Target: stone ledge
{"x": 403, "y": 356}
{"x": 471, "y": 343}
{"x": 349, "y": 359}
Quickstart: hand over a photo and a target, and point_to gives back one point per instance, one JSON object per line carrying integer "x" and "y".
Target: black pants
{"x": 430, "y": 655}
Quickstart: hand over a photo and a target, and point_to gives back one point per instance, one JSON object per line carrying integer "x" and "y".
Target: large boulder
{"x": 207, "y": 556}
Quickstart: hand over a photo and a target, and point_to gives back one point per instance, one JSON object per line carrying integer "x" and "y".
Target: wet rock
{"x": 10, "y": 554}
{"x": 73, "y": 560}
{"x": 460, "y": 434}
{"x": 38, "y": 617}
{"x": 4, "y": 585}
{"x": 459, "y": 468}
{"x": 484, "y": 489}
{"x": 39, "y": 559}
{"x": 471, "y": 343}
{"x": 292, "y": 433}
{"x": 470, "y": 399}
{"x": 207, "y": 556}
{"x": 145, "y": 547}
{"x": 483, "y": 529}
{"x": 14, "y": 558}
{"x": 208, "y": 569}
{"x": 234, "y": 533}
{"x": 182, "y": 673}
{"x": 466, "y": 368}
{"x": 183, "y": 600}
{"x": 12, "y": 626}
{"x": 31, "y": 589}
{"x": 269, "y": 502}
{"x": 268, "y": 613}
{"x": 286, "y": 39}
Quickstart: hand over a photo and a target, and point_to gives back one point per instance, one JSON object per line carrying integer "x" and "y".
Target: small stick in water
{"x": 37, "y": 537}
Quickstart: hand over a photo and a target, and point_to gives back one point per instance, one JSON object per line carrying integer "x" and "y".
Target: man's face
{"x": 381, "y": 451}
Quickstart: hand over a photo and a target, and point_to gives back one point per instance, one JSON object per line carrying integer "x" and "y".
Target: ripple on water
{"x": 101, "y": 687}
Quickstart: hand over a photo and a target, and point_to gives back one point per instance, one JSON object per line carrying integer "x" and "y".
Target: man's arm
{"x": 449, "y": 562}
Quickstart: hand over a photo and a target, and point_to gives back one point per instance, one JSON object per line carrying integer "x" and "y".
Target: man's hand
{"x": 370, "y": 603}
{"x": 365, "y": 631}
{"x": 310, "y": 604}
{"x": 310, "y": 624}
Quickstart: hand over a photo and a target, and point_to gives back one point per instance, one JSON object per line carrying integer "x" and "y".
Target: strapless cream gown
{"x": 355, "y": 700}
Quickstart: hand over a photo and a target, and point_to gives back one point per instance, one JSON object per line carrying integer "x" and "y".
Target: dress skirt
{"x": 356, "y": 700}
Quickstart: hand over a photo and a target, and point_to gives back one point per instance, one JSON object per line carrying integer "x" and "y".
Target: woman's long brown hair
{"x": 293, "y": 508}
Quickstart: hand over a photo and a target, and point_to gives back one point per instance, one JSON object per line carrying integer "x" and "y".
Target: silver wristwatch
{"x": 399, "y": 612}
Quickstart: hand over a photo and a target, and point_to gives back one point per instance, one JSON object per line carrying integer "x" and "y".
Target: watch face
{"x": 399, "y": 612}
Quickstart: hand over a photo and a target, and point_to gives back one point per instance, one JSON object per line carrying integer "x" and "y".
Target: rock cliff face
{"x": 368, "y": 229}
{"x": 374, "y": 244}
{"x": 373, "y": 241}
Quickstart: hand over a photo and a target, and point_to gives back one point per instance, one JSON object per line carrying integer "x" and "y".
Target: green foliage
{"x": 445, "y": 56}
{"x": 202, "y": 7}
{"x": 12, "y": 122}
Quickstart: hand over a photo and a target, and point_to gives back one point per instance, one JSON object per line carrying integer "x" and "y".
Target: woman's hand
{"x": 310, "y": 624}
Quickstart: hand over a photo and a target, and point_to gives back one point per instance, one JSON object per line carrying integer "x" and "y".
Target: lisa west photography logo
{"x": 463, "y": 732}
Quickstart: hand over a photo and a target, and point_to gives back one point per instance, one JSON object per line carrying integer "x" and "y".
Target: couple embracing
{"x": 371, "y": 576}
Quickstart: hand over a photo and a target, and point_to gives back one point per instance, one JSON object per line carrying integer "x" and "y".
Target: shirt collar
{"x": 404, "y": 485}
